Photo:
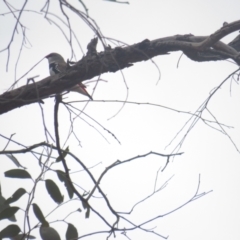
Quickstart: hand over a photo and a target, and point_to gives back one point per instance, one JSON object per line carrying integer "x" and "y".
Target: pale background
{"x": 140, "y": 129}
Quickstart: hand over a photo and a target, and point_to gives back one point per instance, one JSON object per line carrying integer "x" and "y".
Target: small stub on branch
{"x": 224, "y": 24}
{"x": 92, "y": 47}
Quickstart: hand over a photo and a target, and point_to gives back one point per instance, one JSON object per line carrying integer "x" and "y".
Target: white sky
{"x": 139, "y": 128}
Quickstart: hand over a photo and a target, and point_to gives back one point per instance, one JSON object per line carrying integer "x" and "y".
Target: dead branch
{"x": 111, "y": 60}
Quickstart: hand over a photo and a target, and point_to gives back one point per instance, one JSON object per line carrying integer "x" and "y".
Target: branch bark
{"x": 197, "y": 48}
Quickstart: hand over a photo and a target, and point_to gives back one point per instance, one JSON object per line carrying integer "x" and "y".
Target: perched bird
{"x": 58, "y": 65}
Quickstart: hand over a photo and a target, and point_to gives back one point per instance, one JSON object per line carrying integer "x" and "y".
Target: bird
{"x": 57, "y": 65}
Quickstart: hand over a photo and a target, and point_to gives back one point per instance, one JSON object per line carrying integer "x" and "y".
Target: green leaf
{"x": 3, "y": 206}
{"x": 17, "y": 173}
{"x": 49, "y": 233}
{"x": 16, "y": 196}
{"x": 22, "y": 236}
{"x": 124, "y": 2}
{"x": 38, "y": 213}
{"x": 87, "y": 213}
{"x": 61, "y": 175}
{"x": 63, "y": 178}
{"x": 54, "y": 191}
{"x": 69, "y": 189}
{"x": 85, "y": 204}
{"x": 15, "y": 161}
{"x": 72, "y": 233}
{"x": 64, "y": 154}
{"x": 8, "y": 212}
{"x": 10, "y": 231}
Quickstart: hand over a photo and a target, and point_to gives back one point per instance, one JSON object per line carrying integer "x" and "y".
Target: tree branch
{"x": 112, "y": 60}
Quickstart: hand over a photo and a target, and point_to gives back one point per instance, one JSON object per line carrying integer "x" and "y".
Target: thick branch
{"x": 112, "y": 60}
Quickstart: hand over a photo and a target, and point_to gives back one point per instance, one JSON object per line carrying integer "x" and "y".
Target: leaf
{"x": 87, "y": 213}
{"x": 85, "y": 204}
{"x": 17, "y": 173}
{"x": 10, "y": 231}
{"x": 3, "y": 206}
{"x": 49, "y": 233}
{"x": 8, "y": 212}
{"x": 117, "y": 1}
{"x": 64, "y": 154}
{"x": 15, "y": 161}
{"x": 38, "y": 213}
{"x": 71, "y": 233}
{"x": 16, "y": 196}
{"x": 22, "y": 237}
{"x": 69, "y": 189}
{"x": 62, "y": 177}
{"x": 54, "y": 191}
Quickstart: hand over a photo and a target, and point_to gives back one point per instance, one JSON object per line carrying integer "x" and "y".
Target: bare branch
{"x": 111, "y": 60}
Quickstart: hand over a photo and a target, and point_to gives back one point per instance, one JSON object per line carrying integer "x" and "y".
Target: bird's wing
{"x": 54, "y": 69}
{"x": 81, "y": 88}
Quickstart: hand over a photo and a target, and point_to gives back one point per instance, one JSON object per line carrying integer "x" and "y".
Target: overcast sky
{"x": 139, "y": 128}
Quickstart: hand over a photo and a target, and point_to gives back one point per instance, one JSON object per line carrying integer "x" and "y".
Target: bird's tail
{"x": 81, "y": 88}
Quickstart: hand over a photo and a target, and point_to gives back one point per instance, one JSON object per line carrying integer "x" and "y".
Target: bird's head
{"x": 54, "y": 57}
